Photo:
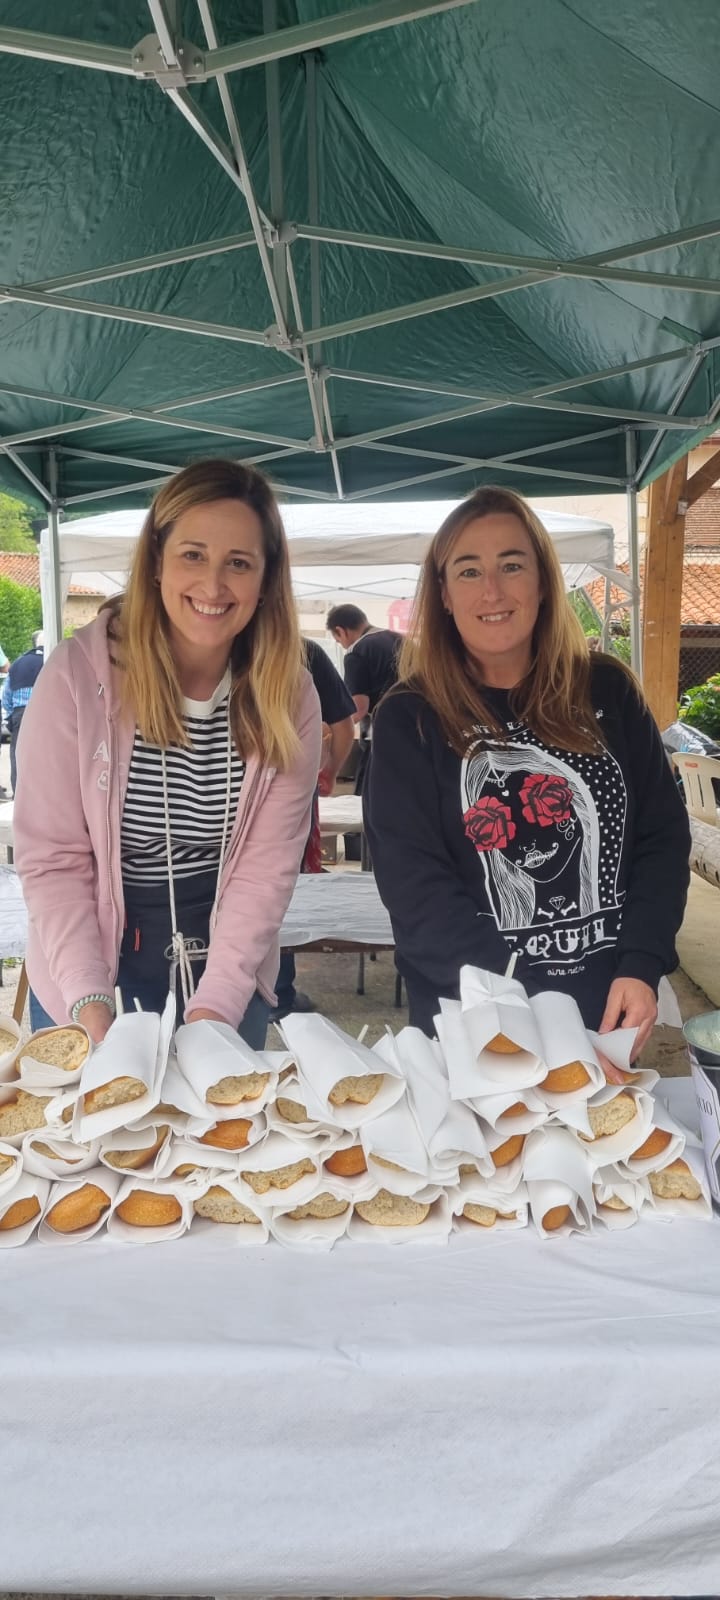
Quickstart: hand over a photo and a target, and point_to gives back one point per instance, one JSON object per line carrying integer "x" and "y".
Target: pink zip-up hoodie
{"x": 74, "y": 753}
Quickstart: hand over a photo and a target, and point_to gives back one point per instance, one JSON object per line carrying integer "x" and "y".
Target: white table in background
{"x": 504, "y": 1416}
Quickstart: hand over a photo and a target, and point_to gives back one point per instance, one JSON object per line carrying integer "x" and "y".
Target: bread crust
{"x": 147, "y": 1209}
{"x": 555, "y": 1217}
{"x": 563, "y": 1080}
{"x": 505, "y": 1153}
{"x": 117, "y": 1092}
{"x": 484, "y": 1216}
{"x": 291, "y": 1110}
{"x": 500, "y": 1045}
{"x": 657, "y": 1140}
{"x": 348, "y": 1163}
{"x": 81, "y": 1209}
{"x": 134, "y": 1160}
{"x": 20, "y": 1212}
{"x": 612, "y": 1116}
{"x": 230, "y": 1135}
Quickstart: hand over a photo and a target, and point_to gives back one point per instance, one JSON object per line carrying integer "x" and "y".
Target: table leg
{"x": 361, "y": 975}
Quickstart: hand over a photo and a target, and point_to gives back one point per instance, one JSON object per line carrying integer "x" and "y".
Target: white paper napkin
{"x": 11, "y": 1174}
{"x": 209, "y": 1051}
{"x": 565, "y": 1039}
{"x": 474, "y": 1071}
{"x": 129, "y": 1232}
{"x": 277, "y": 1151}
{"x": 482, "y": 1192}
{"x": 125, "y": 1139}
{"x": 66, "y": 1161}
{"x": 244, "y": 1234}
{"x": 610, "y": 1183}
{"x": 661, "y": 1118}
{"x": 309, "y": 1233}
{"x": 135, "y": 1046}
{"x": 660, "y": 1210}
{"x": 8, "y": 1092}
{"x": 290, "y": 1089}
{"x": 9, "y": 1055}
{"x": 611, "y": 1147}
{"x": 434, "y": 1230}
{"x": 324, "y": 1055}
{"x": 557, "y": 1173}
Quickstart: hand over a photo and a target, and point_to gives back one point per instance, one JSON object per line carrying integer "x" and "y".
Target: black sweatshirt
{"x": 579, "y": 863}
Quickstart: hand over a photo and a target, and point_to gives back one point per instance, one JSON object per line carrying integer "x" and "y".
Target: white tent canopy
{"x": 358, "y": 549}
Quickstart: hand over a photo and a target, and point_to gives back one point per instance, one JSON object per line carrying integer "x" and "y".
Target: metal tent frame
{"x": 172, "y": 65}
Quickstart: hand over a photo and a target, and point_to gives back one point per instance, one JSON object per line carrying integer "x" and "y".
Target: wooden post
{"x": 662, "y": 591}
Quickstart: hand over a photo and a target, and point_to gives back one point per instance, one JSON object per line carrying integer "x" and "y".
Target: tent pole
{"x": 634, "y": 552}
{"x": 52, "y": 598}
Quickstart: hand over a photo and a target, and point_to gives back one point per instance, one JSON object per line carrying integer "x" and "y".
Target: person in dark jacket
{"x": 519, "y": 800}
{"x": 17, "y": 689}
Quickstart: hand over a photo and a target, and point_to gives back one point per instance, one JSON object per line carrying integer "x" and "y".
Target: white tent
{"x": 359, "y": 549}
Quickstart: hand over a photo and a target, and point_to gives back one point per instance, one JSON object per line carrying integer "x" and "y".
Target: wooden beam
{"x": 702, "y": 480}
{"x": 662, "y": 592}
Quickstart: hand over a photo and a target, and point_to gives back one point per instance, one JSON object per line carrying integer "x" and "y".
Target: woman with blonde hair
{"x": 519, "y": 799}
{"x": 169, "y": 759}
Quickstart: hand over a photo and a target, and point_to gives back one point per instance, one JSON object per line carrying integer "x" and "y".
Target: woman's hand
{"x": 97, "y": 1018}
{"x": 630, "y": 1004}
{"x": 206, "y": 1016}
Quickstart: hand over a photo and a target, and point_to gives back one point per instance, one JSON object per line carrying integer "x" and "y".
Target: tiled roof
{"x": 700, "y": 595}
{"x": 25, "y": 569}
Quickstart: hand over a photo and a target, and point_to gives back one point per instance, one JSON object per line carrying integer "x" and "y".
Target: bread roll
{"x": 612, "y": 1116}
{"x": 230, "y": 1135}
{"x": 218, "y": 1205}
{"x": 118, "y": 1092}
{"x": 347, "y": 1163}
{"x": 675, "y": 1182}
{"x": 81, "y": 1209}
{"x": 8, "y": 1161}
{"x": 614, "y": 1204}
{"x": 279, "y": 1177}
{"x": 8, "y": 1042}
{"x": 323, "y": 1206}
{"x": 22, "y": 1112}
{"x": 232, "y": 1091}
{"x": 555, "y": 1217}
{"x": 656, "y": 1142}
{"x": 133, "y": 1160}
{"x": 562, "y": 1080}
{"x": 505, "y": 1153}
{"x": 145, "y": 1208}
{"x": 392, "y": 1210}
{"x": 359, "y": 1091}
{"x": 19, "y": 1213}
{"x": 468, "y": 1169}
{"x": 484, "y": 1216}
{"x": 502, "y": 1046}
{"x": 291, "y": 1110}
{"x": 65, "y": 1048}
{"x": 519, "y": 1109}
{"x": 184, "y": 1169}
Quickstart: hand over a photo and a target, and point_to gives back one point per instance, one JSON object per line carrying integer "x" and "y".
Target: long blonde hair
{"x": 553, "y": 699}
{"x": 266, "y": 658}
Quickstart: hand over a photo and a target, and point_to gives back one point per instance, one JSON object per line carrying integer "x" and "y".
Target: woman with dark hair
{"x": 519, "y": 799}
{"x": 169, "y": 758}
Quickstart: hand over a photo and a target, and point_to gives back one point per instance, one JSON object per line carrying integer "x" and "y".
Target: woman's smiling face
{"x": 211, "y": 573}
{"x": 491, "y": 586}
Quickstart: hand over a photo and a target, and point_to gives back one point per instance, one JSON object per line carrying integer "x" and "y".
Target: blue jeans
{"x": 252, "y": 1029}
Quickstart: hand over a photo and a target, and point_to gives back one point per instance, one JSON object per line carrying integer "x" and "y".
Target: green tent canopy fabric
{"x": 544, "y": 169}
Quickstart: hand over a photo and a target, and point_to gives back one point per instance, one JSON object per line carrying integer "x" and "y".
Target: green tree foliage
{"x": 700, "y": 707}
{"x": 15, "y": 526}
{"x": 20, "y": 615}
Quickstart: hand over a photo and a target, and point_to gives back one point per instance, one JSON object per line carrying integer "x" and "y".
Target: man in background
{"x": 370, "y": 669}
{"x": 17, "y": 689}
{"x": 336, "y": 709}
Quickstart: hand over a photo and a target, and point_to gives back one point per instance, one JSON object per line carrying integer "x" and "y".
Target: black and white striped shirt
{"x": 197, "y": 779}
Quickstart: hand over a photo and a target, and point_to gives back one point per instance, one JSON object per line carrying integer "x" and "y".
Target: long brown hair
{"x": 265, "y": 659}
{"x": 553, "y": 699}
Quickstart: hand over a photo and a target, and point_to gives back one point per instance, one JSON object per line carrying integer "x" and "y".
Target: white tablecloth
{"x": 13, "y": 915}
{"x": 340, "y": 813}
{"x": 336, "y": 905}
{"x": 501, "y": 1417}
{"x": 6, "y": 822}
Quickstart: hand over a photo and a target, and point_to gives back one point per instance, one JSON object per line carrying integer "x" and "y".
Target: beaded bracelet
{"x": 89, "y": 1000}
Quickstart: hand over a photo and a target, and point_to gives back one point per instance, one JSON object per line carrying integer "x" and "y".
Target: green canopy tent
{"x": 400, "y": 250}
